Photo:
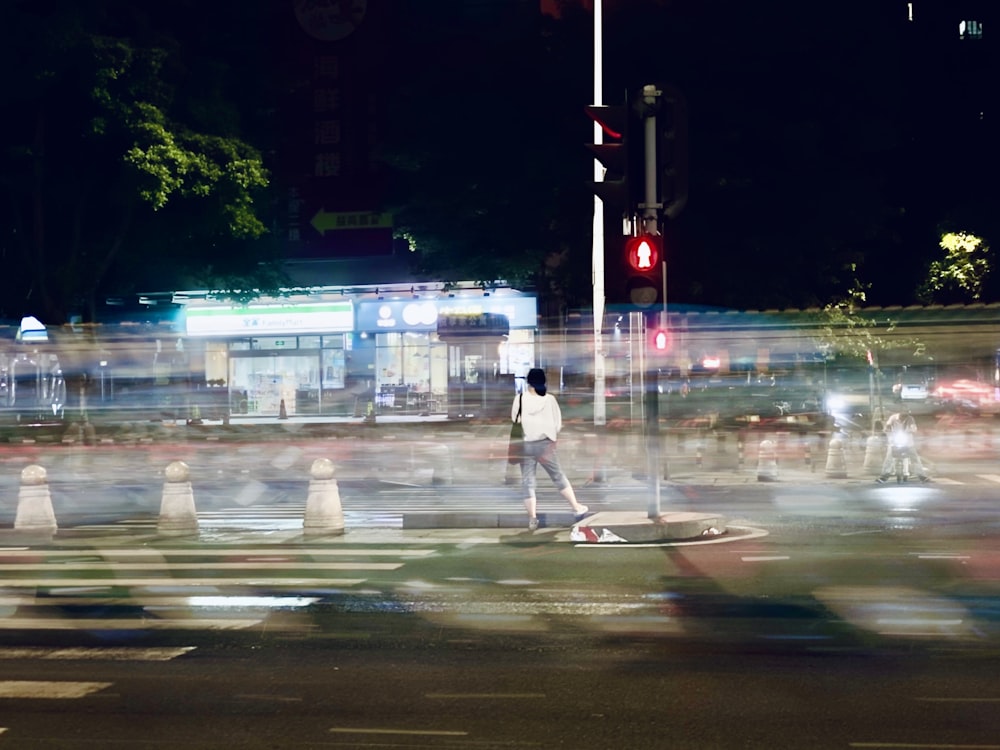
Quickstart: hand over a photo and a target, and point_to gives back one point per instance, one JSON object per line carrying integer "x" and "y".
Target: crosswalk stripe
{"x": 990, "y": 477}
{"x": 39, "y": 689}
{"x": 51, "y": 623}
{"x": 946, "y": 480}
{"x": 96, "y": 653}
{"x": 70, "y": 598}
{"x": 285, "y": 552}
{"x": 111, "y": 566}
{"x": 298, "y": 582}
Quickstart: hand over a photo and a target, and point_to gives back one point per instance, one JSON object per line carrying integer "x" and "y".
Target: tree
{"x": 960, "y": 275}
{"x": 113, "y": 175}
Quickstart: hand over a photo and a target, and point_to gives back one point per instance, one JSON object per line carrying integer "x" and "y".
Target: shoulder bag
{"x": 515, "y": 448}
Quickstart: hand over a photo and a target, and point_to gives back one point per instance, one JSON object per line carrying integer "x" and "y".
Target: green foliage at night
{"x": 110, "y": 183}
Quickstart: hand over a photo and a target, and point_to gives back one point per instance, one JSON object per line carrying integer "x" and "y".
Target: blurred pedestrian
{"x": 900, "y": 429}
{"x": 542, "y": 421}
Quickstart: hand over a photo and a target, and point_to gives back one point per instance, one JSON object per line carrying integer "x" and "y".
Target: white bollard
{"x": 324, "y": 514}
{"x": 177, "y": 512}
{"x": 836, "y": 460}
{"x": 767, "y": 461}
{"x": 34, "y": 503}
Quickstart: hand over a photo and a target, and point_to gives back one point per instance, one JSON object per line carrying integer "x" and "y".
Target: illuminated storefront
{"x": 343, "y": 353}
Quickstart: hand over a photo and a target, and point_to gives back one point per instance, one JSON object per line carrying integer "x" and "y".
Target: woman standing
{"x": 542, "y": 420}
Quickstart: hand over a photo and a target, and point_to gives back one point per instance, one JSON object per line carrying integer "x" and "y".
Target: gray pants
{"x": 541, "y": 453}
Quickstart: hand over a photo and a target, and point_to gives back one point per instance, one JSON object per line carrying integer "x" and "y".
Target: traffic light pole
{"x": 650, "y": 222}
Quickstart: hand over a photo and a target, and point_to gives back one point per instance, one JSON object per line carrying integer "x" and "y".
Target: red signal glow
{"x": 643, "y": 253}
{"x": 661, "y": 340}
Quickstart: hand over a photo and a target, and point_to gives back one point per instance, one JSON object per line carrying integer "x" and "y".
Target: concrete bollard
{"x": 34, "y": 503}
{"x": 177, "y": 513}
{"x": 836, "y": 459}
{"x": 324, "y": 513}
{"x": 767, "y": 461}
{"x": 874, "y": 454}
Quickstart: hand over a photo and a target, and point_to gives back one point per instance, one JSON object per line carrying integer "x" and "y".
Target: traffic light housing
{"x": 615, "y": 190}
{"x": 672, "y": 151}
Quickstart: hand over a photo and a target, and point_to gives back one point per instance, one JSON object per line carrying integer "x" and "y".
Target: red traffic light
{"x": 643, "y": 253}
{"x": 661, "y": 340}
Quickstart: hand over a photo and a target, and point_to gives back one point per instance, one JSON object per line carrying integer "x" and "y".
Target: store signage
{"x": 423, "y": 315}
{"x": 480, "y": 325}
{"x": 257, "y": 319}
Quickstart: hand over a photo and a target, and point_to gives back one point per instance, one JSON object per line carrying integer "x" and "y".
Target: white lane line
{"x": 943, "y": 557}
{"x": 204, "y": 601}
{"x": 100, "y": 565}
{"x": 95, "y": 654}
{"x": 764, "y": 558}
{"x": 990, "y": 477}
{"x": 923, "y": 746}
{"x": 250, "y": 581}
{"x": 483, "y": 696}
{"x": 58, "y": 690}
{"x": 227, "y": 552}
{"x": 41, "y": 623}
{"x": 410, "y": 732}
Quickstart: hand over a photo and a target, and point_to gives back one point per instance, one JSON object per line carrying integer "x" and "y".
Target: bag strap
{"x": 520, "y": 403}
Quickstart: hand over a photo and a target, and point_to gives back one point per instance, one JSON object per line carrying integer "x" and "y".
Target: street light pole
{"x": 597, "y": 253}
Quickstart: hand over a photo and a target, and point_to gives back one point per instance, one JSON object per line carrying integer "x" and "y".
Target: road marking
{"x": 58, "y": 690}
{"x": 105, "y": 566}
{"x": 990, "y": 477}
{"x": 924, "y": 746}
{"x": 412, "y": 732}
{"x": 943, "y": 557}
{"x": 215, "y": 552}
{"x": 107, "y": 654}
{"x": 764, "y": 558}
{"x": 151, "y": 581}
{"x": 946, "y": 480}
{"x": 42, "y": 623}
{"x": 483, "y": 696}
{"x": 221, "y": 601}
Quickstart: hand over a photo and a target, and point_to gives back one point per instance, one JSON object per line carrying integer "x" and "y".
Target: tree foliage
{"x": 961, "y": 274}
{"x": 109, "y": 180}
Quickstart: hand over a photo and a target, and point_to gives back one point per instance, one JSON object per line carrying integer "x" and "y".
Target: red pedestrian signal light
{"x": 661, "y": 340}
{"x": 643, "y": 253}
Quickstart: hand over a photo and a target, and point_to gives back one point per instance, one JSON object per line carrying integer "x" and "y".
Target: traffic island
{"x": 610, "y": 526}
{"x": 638, "y": 528}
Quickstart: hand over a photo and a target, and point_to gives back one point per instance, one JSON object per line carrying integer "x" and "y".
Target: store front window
{"x": 411, "y": 372}
{"x": 304, "y": 374}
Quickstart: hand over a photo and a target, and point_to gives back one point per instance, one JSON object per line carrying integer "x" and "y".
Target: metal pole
{"x": 650, "y": 222}
{"x": 597, "y": 251}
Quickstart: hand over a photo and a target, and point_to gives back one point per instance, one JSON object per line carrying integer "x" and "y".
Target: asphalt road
{"x": 787, "y": 640}
{"x": 843, "y": 614}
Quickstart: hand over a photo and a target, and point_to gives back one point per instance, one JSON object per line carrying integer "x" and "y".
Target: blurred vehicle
{"x": 967, "y": 395}
{"x": 912, "y": 391}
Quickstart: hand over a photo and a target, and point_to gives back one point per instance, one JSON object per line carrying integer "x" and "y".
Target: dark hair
{"x": 536, "y": 379}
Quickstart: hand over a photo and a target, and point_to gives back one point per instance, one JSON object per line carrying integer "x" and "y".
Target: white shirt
{"x": 540, "y": 415}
